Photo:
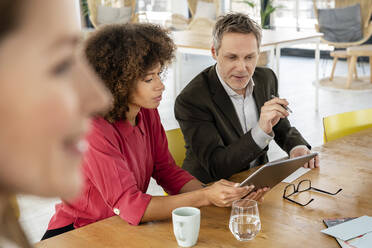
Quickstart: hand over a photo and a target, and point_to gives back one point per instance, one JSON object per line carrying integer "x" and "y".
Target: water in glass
{"x": 245, "y": 222}
{"x": 245, "y": 227}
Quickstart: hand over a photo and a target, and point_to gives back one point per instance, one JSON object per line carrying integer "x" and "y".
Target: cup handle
{"x": 178, "y": 233}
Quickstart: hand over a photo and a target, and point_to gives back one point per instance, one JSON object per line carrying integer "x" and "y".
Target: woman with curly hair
{"x": 128, "y": 145}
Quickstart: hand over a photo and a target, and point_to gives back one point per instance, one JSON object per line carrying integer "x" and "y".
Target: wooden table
{"x": 345, "y": 163}
{"x": 199, "y": 43}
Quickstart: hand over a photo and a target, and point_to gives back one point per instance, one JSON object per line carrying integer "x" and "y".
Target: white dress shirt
{"x": 246, "y": 109}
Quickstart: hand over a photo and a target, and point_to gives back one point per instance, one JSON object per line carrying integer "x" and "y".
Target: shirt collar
{"x": 126, "y": 128}
{"x": 230, "y": 92}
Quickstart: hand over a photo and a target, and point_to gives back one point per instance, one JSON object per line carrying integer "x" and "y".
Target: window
{"x": 296, "y": 14}
{"x": 153, "y": 5}
{"x": 157, "y": 11}
{"x": 242, "y": 6}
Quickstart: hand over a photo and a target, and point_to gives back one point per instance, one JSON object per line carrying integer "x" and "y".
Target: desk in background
{"x": 345, "y": 163}
{"x": 198, "y": 43}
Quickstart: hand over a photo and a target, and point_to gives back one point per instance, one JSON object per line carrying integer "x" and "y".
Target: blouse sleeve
{"x": 103, "y": 164}
{"x": 166, "y": 173}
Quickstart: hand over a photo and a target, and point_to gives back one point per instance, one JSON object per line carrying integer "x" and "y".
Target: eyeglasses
{"x": 304, "y": 185}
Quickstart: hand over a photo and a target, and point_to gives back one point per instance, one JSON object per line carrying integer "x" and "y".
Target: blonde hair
{"x": 235, "y": 23}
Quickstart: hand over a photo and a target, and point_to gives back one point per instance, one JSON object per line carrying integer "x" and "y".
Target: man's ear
{"x": 214, "y": 52}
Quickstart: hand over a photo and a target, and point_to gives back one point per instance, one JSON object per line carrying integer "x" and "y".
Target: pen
{"x": 286, "y": 108}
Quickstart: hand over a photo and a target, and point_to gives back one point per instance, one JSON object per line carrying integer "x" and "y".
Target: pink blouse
{"x": 117, "y": 169}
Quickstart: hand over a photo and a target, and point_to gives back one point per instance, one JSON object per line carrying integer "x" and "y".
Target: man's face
{"x": 237, "y": 59}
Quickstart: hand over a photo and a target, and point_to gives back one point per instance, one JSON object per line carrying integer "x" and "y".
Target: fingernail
{"x": 236, "y": 185}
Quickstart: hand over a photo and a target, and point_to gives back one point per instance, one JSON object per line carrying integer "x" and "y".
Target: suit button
{"x": 116, "y": 211}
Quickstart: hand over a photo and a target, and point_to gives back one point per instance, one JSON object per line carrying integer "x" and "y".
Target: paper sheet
{"x": 363, "y": 242}
{"x": 350, "y": 229}
{"x": 299, "y": 172}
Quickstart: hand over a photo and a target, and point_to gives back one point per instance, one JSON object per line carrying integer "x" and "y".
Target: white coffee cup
{"x": 186, "y": 225}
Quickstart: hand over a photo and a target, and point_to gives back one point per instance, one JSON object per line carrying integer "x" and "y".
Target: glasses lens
{"x": 304, "y": 185}
{"x": 289, "y": 190}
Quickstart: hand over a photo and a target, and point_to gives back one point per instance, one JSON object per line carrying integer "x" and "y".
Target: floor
{"x": 297, "y": 75}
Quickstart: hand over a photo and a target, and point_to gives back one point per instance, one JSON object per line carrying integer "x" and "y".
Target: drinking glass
{"x": 245, "y": 221}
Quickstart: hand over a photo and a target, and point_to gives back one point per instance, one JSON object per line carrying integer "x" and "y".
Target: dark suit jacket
{"x": 216, "y": 145}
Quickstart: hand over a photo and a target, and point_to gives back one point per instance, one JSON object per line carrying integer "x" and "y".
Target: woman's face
{"x": 149, "y": 89}
{"x": 47, "y": 93}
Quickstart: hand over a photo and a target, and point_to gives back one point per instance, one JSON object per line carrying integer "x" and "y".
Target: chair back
{"x": 365, "y": 10}
{"x": 337, "y": 126}
{"x": 366, "y": 14}
{"x": 93, "y": 8}
{"x": 176, "y": 145}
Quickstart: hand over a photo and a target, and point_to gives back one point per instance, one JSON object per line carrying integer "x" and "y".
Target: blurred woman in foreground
{"x": 48, "y": 94}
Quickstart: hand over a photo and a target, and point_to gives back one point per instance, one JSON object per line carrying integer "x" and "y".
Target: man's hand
{"x": 271, "y": 112}
{"x": 300, "y": 151}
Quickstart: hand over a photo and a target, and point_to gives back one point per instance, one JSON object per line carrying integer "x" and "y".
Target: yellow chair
{"x": 176, "y": 145}
{"x": 14, "y": 206}
{"x": 337, "y": 126}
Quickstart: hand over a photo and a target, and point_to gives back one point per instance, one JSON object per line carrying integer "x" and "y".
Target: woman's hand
{"x": 223, "y": 193}
{"x": 258, "y": 195}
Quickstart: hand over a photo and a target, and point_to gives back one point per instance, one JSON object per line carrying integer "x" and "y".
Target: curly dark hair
{"x": 121, "y": 54}
{"x": 10, "y": 15}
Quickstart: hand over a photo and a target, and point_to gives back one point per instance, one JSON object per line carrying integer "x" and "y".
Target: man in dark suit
{"x": 227, "y": 113}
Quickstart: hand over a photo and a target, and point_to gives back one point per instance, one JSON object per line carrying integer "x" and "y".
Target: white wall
{"x": 77, "y": 11}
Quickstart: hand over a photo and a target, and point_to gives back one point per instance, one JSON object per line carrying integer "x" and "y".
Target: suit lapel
{"x": 259, "y": 94}
{"x": 223, "y": 101}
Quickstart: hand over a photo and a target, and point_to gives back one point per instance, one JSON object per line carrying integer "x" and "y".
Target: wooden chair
{"x": 177, "y": 22}
{"x": 202, "y": 25}
{"x": 337, "y": 126}
{"x": 176, "y": 145}
{"x": 193, "y": 4}
{"x": 93, "y": 7}
{"x": 366, "y": 12}
{"x": 353, "y": 53}
{"x": 198, "y": 23}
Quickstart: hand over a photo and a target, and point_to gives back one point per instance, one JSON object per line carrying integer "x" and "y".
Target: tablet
{"x": 273, "y": 173}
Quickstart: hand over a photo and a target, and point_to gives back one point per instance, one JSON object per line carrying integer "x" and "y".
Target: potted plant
{"x": 85, "y": 13}
{"x": 266, "y": 9}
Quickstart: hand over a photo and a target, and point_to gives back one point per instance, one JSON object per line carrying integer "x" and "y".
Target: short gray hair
{"x": 235, "y": 23}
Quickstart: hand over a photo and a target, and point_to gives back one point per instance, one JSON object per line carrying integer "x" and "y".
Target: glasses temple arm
{"x": 326, "y": 192}
{"x": 298, "y": 202}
